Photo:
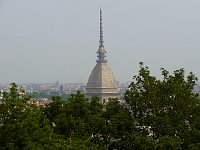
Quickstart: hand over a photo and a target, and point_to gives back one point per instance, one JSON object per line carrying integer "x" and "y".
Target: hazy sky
{"x": 49, "y": 40}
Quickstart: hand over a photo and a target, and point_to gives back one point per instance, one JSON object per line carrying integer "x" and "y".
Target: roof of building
{"x": 101, "y": 80}
{"x": 101, "y": 77}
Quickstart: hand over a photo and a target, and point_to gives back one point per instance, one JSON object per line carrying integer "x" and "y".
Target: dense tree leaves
{"x": 156, "y": 114}
{"x": 79, "y": 119}
{"x": 166, "y": 110}
{"x": 24, "y": 126}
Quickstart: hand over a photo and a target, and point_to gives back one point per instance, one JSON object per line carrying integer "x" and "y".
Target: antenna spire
{"x": 101, "y": 51}
{"x": 101, "y": 29}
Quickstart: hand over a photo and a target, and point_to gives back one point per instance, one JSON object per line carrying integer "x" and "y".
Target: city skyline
{"x": 45, "y": 41}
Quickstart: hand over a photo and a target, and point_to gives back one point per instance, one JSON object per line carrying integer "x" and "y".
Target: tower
{"x": 102, "y": 81}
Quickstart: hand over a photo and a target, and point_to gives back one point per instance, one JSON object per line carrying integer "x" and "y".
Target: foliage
{"x": 156, "y": 114}
{"x": 77, "y": 118}
{"x": 23, "y": 125}
{"x": 49, "y": 95}
{"x": 166, "y": 110}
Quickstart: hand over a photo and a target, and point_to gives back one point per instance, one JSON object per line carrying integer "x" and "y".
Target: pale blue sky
{"x": 49, "y": 40}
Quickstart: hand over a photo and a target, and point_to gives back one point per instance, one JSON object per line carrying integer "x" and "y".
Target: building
{"x": 102, "y": 81}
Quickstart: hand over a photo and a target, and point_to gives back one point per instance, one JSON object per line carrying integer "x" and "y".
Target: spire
{"x": 101, "y": 51}
{"x": 101, "y": 30}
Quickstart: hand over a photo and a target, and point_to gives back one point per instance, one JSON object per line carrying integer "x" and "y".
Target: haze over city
{"x": 48, "y": 40}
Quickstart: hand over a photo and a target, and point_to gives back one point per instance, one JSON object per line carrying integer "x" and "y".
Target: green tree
{"x": 24, "y": 126}
{"x": 78, "y": 120}
{"x": 166, "y": 110}
{"x": 121, "y": 131}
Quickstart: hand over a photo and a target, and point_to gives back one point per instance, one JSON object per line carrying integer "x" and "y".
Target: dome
{"x": 102, "y": 82}
{"x": 101, "y": 77}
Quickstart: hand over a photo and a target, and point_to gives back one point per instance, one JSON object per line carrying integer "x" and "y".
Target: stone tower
{"x": 102, "y": 81}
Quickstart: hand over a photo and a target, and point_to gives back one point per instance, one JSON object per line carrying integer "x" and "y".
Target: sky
{"x": 48, "y": 40}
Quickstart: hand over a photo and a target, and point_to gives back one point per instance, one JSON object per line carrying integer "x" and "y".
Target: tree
{"x": 78, "y": 120}
{"x": 166, "y": 110}
{"x": 24, "y": 126}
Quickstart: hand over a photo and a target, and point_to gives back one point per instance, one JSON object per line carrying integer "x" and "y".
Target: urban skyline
{"x": 45, "y": 41}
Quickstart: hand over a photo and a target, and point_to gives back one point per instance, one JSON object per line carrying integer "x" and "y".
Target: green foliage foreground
{"x": 156, "y": 114}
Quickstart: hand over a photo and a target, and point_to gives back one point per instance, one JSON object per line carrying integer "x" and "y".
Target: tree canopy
{"x": 166, "y": 110}
{"x": 155, "y": 114}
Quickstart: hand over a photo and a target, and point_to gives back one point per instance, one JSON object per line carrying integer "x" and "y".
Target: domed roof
{"x": 101, "y": 81}
{"x": 101, "y": 77}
